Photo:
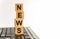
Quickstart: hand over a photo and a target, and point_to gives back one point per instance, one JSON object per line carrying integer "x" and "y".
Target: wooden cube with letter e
{"x": 20, "y": 15}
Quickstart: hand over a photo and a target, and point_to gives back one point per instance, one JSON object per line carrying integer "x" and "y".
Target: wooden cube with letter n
{"x": 18, "y": 7}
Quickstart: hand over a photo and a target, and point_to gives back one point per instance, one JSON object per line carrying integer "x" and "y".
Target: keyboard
{"x": 9, "y": 33}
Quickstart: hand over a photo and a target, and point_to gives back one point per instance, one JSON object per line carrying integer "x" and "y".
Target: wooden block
{"x": 19, "y": 30}
{"x": 18, "y": 7}
{"x": 18, "y": 22}
{"x": 20, "y": 15}
{"x": 22, "y": 37}
{"x": 19, "y": 36}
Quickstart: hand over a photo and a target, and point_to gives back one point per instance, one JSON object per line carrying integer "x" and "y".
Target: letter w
{"x": 19, "y": 22}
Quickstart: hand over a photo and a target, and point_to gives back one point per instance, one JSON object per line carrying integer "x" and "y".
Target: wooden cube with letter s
{"x": 19, "y": 30}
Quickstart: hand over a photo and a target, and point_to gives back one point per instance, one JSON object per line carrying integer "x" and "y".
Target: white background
{"x": 43, "y": 16}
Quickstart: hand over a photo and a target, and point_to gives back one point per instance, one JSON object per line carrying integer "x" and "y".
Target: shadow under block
{"x": 9, "y": 33}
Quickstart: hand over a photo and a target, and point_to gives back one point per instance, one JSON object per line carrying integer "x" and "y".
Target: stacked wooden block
{"x": 19, "y": 28}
